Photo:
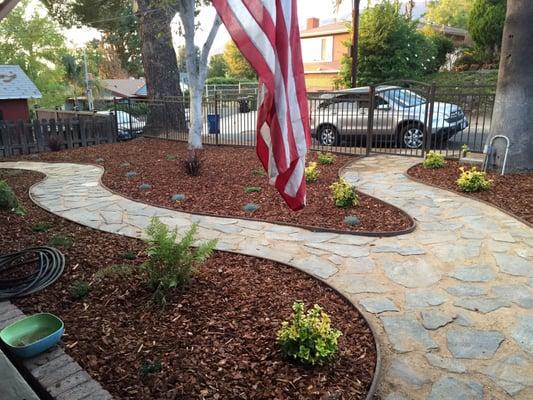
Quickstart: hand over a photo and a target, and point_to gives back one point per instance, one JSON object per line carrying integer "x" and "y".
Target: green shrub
{"x": 433, "y": 160}
{"x": 311, "y": 172}
{"x": 114, "y": 270}
{"x": 473, "y": 180}
{"x": 61, "y": 240}
{"x": 170, "y": 157}
{"x": 8, "y": 199}
{"x": 309, "y": 337}
{"x": 326, "y": 158}
{"x": 172, "y": 264}
{"x": 40, "y": 226}
{"x": 344, "y": 194}
{"x": 351, "y": 220}
{"x": 129, "y": 255}
{"x": 258, "y": 172}
{"x": 149, "y": 367}
{"x": 79, "y": 289}
{"x": 252, "y": 189}
{"x": 250, "y": 207}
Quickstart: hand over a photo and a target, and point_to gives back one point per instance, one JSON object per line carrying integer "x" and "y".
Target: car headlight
{"x": 455, "y": 116}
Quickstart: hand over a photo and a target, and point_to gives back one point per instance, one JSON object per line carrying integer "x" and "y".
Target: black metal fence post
{"x": 426, "y": 145}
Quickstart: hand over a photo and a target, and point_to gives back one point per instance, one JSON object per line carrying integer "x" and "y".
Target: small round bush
{"x": 311, "y": 172}
{"x": 178, "y": 197}
{"x": 145, "y": 186}
{"x": 344, "y": 194}
{"x": 433, "y": 160}
{"x": 8, "y": 199}
{"x": 309, "y": 337}
{"x": 131, "y": 174}
{"x": 351, "y": 220}
{"x": 473, "y": 180}
{"x": 250, "y": 207}
{"x": 252, "y": 189}
{"x": 326, "y": 158}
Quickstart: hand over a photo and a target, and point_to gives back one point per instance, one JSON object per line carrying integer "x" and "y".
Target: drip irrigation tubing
{"x": 48, "y": 262}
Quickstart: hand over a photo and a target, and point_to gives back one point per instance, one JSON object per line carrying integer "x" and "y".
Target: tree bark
{"x": 513, "y": 106}
{"x": 196, "y": 69}
{"x": 160, "y": 68}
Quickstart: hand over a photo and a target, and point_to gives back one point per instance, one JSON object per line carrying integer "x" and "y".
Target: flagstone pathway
{"x": 451, "y": 302}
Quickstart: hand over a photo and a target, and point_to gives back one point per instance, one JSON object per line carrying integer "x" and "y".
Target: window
{"x": 318, "y": 49}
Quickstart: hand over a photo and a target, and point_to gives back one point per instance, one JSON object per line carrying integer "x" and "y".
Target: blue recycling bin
{"x": 213, "y": 123}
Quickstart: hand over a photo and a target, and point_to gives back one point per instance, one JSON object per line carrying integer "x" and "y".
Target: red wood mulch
{"x": 511, "y": 192}
{"x": 226, "y": 172}
{"x": 215, "y": 340}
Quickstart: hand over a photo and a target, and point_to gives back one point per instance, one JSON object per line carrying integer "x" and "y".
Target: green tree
{"x": 217, "y": 67}
{"x": 237, "y": 65}
{"x": 114, "y": 18}
{"x": 390, "y": 47}
{"x": 35, "y": 43}
{"x": 449, "y": 12}
{"x": 486, "y": 24}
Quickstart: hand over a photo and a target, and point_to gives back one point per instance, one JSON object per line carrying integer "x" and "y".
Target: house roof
{"x": 328, "y": 29}
{"x": 343, "y": 27}
{"x": 15, "y": 84}
{"x": 123, "y": 87}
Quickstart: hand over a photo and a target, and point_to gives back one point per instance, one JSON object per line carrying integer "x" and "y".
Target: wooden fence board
{"x": 33, "y": 137}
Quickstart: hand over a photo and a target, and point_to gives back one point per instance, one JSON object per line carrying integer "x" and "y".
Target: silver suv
{"x": 399, "y": 116}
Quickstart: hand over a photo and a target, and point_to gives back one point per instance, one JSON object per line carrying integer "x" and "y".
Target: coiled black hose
{"x": 49, "y": 265}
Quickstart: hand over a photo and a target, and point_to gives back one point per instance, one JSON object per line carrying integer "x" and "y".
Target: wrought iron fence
{"x": 406, "y": 118}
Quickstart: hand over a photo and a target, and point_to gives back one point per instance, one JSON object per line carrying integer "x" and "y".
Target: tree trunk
{"x": 160, "y": 68}
{"x": 513, "y": 105}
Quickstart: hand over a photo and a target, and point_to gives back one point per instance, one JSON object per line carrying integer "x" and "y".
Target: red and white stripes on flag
{"x": 266, "y": 32}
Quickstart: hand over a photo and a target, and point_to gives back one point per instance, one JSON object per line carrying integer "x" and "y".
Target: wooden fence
{"x": 36, "y": 136}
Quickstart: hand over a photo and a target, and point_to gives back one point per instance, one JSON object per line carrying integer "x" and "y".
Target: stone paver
{"x": 466, "y": 261}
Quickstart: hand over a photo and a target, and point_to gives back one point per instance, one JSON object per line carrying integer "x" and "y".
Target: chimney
{"x": 313, "y": 23}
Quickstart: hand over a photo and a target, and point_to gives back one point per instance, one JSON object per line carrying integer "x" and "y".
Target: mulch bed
{"x": 214, "y": 340}
{"x": 511, "y": 192}
{"x": 220, "y": 189}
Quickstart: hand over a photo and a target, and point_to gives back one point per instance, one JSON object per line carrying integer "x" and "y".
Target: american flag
{"x": 266, "y": 32}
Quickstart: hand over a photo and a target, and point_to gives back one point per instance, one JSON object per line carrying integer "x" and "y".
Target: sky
{"x": 322, "y": 9}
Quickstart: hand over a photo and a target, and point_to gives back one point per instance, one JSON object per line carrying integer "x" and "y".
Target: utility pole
{"x": 88, "y": 91}
{"x": 355, "y": 40}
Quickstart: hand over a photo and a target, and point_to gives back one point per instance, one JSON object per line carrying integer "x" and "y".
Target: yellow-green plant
{"x": 433, "y": 160}
{"x": 171, "y": 264}
{"x": 344, "y": 194}
{"x": 8, "y": 199}
{"x": 309, "y": 338}
{"x": 473, "y": 180}
{"x": 326, "y": 158}
{"x": 311, "y": 172}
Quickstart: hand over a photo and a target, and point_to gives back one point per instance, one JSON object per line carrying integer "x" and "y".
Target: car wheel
{"x": 327, "y": 135}
{"x": 412, "y": 136}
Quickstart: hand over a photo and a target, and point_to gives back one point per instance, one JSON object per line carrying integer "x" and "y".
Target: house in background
{"x": 121, "y": 88}
{"x": 15, "y": 91}
{"x": 323, "y": 49}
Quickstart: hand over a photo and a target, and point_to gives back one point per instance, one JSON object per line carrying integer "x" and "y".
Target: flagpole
{"x": 355, "y": 40}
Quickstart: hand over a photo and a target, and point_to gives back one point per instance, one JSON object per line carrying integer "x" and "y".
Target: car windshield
{"x": 405, "y": 98}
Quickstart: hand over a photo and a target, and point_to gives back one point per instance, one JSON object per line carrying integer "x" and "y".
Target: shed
{"x": 15, "y": 91}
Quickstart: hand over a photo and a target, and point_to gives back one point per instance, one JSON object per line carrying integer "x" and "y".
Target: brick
{"x": 68, "y": 383}
{"x": 51, "y": 366}
{"x": 59, "y": 374}
{"x": 81, "y": 391}
{"x": 43, "y": 358}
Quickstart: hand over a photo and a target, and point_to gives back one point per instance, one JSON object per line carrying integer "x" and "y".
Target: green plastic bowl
{"x": 32, "y": 335}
